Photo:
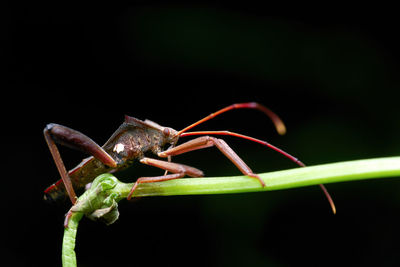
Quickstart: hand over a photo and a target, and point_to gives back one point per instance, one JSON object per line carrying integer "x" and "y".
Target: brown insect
{"x": 133, "y": 139}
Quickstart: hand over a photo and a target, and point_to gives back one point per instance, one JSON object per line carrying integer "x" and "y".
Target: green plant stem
{"x": 292, "y": 178}
{"x": 68, "y": 252}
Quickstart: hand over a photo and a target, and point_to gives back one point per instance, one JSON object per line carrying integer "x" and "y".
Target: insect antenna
{"x": 292, "y": 158}
{"x": 279, "y": 125}
{"x": 295, "y": 160}
{"x": 265, "y": 143}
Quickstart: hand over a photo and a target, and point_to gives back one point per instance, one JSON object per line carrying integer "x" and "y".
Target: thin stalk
{"x": 68, "y": 249}
{"x": 292, "y": 178}
{"x": 115, "y": 190}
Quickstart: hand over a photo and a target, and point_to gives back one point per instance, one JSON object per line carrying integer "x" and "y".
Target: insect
{"x": 133, "y": 140}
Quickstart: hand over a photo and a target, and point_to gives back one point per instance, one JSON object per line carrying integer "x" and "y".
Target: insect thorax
{"x": 134, "y": 143}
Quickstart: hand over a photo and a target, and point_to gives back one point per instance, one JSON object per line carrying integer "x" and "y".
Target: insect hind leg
{"x": 55, "y": 133}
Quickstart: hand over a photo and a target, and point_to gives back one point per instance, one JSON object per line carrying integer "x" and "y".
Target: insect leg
{"x": 55, "y": 133}
{"x": 178, "y": 171}
{"x": 153, "y": 180}
{"x": 60, "y": 166}
{"x": 208, "y": 141}
{"x": 77, "y": 140}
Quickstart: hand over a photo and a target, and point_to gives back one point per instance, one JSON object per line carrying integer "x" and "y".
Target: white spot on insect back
{"x": 119, "y": 148}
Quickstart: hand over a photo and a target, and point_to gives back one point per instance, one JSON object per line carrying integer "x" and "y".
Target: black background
{"x": 331, "y": 72}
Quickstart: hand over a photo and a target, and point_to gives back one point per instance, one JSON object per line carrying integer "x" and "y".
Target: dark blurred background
{"x": 331, "y": 72}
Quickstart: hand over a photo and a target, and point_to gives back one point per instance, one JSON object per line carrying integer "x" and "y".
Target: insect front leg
{"x": 55, "y": 133}
{"x": 178, "y": 171}
{"x": 208, "y": 141}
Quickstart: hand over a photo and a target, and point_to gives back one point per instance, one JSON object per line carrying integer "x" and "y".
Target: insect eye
{"x": 166, "y": 132}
